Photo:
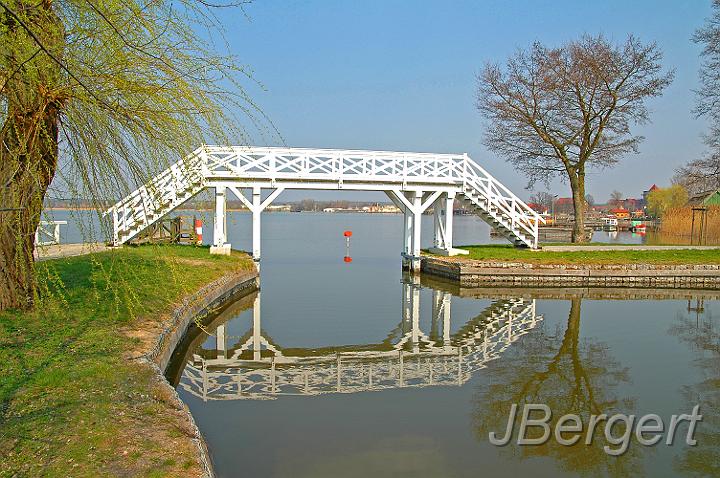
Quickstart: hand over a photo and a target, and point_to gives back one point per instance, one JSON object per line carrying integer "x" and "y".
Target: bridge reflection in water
{"x": 254, "y": 367}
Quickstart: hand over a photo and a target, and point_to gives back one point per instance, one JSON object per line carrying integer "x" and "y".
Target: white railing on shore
{"x": 48, "y": 233}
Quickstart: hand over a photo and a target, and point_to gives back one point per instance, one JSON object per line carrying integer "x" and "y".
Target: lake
{"x": 353, "y": 369}
{"x": 84, "y": 226}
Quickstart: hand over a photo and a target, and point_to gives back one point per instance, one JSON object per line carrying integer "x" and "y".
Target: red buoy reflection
{"x": 347, "y": 233}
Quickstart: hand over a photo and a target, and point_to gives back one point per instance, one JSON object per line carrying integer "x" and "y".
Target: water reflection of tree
{"x": 570, "y": 375}
{"x": 703, "y": 334}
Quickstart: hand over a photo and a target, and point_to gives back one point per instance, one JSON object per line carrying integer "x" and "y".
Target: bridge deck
{"x": 413, "y": 181}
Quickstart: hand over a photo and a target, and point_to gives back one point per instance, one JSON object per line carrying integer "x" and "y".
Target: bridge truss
{"x": 256, "y": 369}
{"x": 258, "y": 175}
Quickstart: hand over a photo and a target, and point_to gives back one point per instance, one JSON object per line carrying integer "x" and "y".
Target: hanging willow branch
{"x": 97, "y": 96}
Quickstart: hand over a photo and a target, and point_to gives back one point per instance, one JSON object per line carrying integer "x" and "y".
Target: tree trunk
{"x": 25, "y": 178}
{"x": 577, "y": 185}
{"x": 28, "y": 146}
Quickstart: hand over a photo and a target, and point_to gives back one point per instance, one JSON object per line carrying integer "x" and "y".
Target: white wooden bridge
{"x": 257, "y": 175}
{"x": 253, "y": 367}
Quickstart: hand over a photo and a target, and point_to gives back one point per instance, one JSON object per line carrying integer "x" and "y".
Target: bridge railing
{"x": 336, "y": 165}
{"x": 349, "y": 372}
{"x": 144, "y": 204}
{"x": 162, "y": 189}
{"x": 501, "y": 197}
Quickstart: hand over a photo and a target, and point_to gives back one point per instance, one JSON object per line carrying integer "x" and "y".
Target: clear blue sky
{"x": 400, "y": 75}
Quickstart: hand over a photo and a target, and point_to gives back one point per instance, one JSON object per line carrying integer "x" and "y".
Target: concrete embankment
{"x": 476, "y": 273}
{"x": 195, "y": 308}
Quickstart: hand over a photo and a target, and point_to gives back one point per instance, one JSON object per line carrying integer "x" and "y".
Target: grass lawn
{"x": 510, "y": 253}
{"x": 72, "y": 402}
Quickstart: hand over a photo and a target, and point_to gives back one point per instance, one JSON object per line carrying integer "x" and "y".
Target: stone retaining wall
{"x": 474, "y": 273}
{"x": 203, "y": 302}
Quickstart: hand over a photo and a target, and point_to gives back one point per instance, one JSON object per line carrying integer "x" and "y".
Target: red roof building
{"x": 620, "y": 213}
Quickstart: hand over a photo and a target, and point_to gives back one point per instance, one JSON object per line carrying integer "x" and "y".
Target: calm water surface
{"x": 84, "y": 226}
{"x": 350, "y": 369}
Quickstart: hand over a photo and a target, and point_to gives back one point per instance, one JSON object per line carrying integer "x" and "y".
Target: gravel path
{"x": 67, "y": 250}
{"x": 624, "y": 247}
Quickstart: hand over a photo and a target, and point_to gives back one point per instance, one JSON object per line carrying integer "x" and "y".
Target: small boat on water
{"x": 609, "y": 224}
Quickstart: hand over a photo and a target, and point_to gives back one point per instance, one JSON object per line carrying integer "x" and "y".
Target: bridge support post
{"x": 441, "y": 312}
{"x": 407, "y": 231}
{"x": 416, "y": 230}
{"x": 256, "y": 337}
{"x": 221, "y": 341}
{"x": 444, "y": 227}
{"x": 415, "y": 335}
{"x": 256, "y": 211}
{"x": 256, "y": 207}
{"x": 220, "y": 244}
{"x": 413, "y": 204}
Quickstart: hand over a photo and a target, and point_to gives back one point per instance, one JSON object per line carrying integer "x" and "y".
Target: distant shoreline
{"x": 86, "y": 208}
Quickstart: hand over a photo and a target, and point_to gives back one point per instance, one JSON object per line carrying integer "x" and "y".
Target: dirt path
{"x": 624, "y": 247}
{"x": 67, "y": 250}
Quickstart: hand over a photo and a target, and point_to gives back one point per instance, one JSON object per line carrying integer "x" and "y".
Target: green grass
{"x": 71, "y": 401}
{"x": 509, "y": 253}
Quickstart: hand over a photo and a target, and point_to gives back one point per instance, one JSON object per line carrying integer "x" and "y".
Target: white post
{"x": 446, "y": 320}
{"x": 221, "y": 341}
{"x": 256, "y": 211}
{"x": 256, "y": 207}
{"x": 439, "y": 236}
{"x": 416, "y": 319}
{"x": 417, "y": 220}
{"x": 448, "y": 210}
{"x": 407, "y": 231}
{"x": 256, "y": 328}
{"x": 220, "y": 227}
{"x": 56, "y": 233}
{"x": 436, "y": 310}
{"x": 406, "y": 306}
{"x": 407, "y": 236}
{"x": 444, "y": 226}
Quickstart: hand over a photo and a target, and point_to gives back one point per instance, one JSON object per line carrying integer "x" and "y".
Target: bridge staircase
{"x": 288, "y": 168}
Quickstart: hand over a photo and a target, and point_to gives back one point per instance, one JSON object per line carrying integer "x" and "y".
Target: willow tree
{"x": 97, "y": 95}
{"x": 559, "y": 111}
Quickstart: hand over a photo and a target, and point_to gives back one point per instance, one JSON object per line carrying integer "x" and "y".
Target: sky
{"x": 400, "y": 75}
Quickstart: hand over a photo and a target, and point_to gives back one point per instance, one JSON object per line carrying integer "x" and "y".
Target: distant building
{"x": 538, "y": 208}
{"x": 645, "y": 193}
{"x": 564, "y": 206}
{"x": 634, "y": 204}
{"x": 620, "y": 213}
{"x": 712, "y": 199}
{"x": 382, "y": 208}
{"x": 709, "y": 198}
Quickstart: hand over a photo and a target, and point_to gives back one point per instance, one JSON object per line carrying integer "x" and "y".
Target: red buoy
{"x": 347, "y": 233}
{"x": 198, "y": 231}
{"x": 347, "y": 259}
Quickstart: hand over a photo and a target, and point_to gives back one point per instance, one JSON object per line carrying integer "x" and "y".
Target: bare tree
{"x": 703, "y": 175}
{"x": 543, "y": 198}
{"x": 557, "y": 111}
{"x": 589, "y": 200}
{"x": 708, "y": 97}
{"x": 569, "y": 373}
{"x": 616, "y": 198}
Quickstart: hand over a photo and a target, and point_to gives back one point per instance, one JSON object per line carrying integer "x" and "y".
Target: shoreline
{"x": 207, "y": 301}
{"x": 106, "y": 364}
{"x": 502, "y": 273}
